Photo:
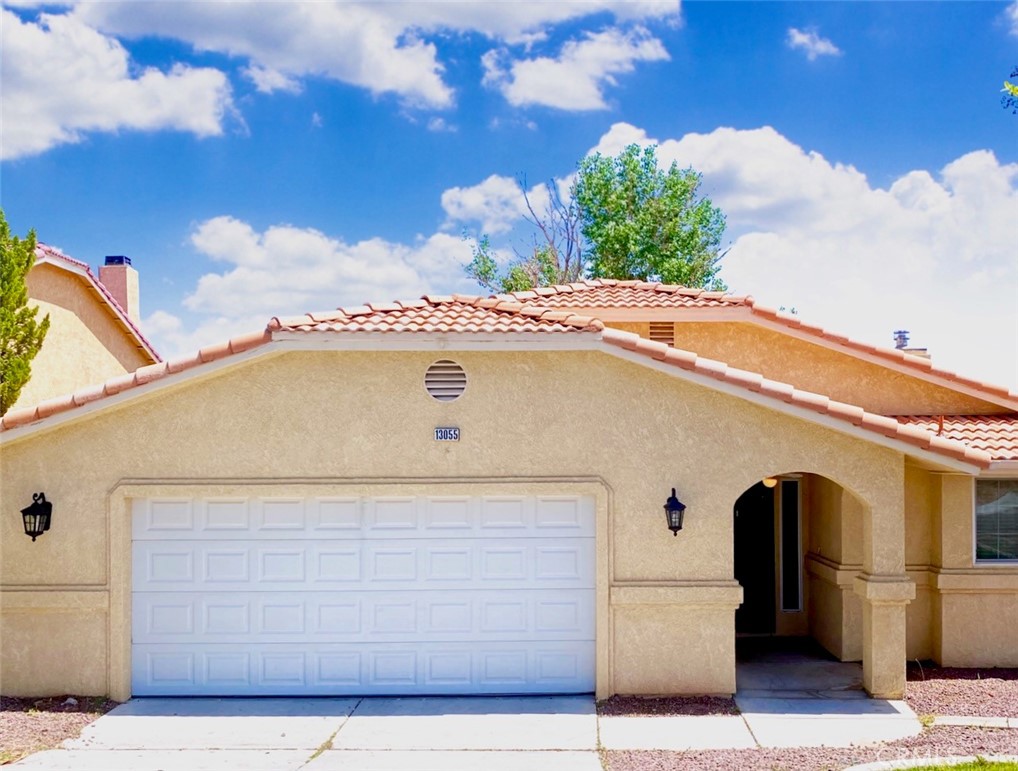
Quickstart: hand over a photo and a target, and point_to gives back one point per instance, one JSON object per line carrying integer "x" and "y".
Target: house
{"x": 93, "y": 334}
{"x": 466, "y": 495}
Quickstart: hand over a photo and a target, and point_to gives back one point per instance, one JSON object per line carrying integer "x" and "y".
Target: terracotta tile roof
{"x": 610, "y": 293}
{"x": 439, "y": 314}
{"x": 994, "y": 434}
{"x": 823, "y": 405}
{"x": 47, "y": 254}
{"x": 462, "y": 314}
{"x": 431, "y": 314}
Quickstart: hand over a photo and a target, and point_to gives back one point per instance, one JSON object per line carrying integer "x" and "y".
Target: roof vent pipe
{"x": 901, "y": 339}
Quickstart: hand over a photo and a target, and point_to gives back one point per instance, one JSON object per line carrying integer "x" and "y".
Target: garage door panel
{"x": 386, "y": 668}
{"x": 247, "y": 617}
{"x": 407, "y": 565}
{"x": 357, "y": 518}
{"x": 393, "y": 594}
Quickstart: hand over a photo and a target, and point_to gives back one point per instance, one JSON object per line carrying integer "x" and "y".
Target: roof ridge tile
{"x": 120, "y": 383}
{"x": 144, "y": 375}
{"x": 86, "y": 395}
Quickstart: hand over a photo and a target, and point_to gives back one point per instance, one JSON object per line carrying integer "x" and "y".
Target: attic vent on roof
{"x": 445, "y": 380}
{"x": 662, "y": 332}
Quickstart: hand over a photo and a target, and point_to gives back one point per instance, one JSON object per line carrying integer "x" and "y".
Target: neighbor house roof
{"x": 613, "y": 294}
{"x": 47, "y": 255}
{"x": 473, "y": 316}
{"x": 994, "y": 434}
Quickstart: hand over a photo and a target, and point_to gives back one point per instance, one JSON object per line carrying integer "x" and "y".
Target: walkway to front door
{"x": 793, "y": 667}
{"x": 792, "y": 692}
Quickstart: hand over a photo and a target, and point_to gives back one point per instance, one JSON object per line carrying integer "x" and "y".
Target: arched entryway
{"x": 770, "y": 521}
{"x": 797, "y": 548}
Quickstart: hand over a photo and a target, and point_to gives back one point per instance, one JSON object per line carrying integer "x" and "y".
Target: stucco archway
{"x": 810, "y": 565}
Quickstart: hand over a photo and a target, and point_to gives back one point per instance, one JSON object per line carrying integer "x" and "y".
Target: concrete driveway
{"x": 553, "y": 733}
{"x": 377, "y": 734}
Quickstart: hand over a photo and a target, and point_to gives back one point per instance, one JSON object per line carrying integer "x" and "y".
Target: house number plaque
{"x": 447, "y": 434}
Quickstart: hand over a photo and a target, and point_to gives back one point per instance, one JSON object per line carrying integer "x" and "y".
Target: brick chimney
{"x": 121, "y": 280}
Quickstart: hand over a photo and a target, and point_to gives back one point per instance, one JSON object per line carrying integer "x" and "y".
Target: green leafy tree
{"x": 1009, "y": 101}
{"x": 21, "y": 335}
{"x": 647, "y": 223}
{"x": 624, "y": 218}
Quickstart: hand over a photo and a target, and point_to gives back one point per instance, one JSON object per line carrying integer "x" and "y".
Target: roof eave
{"x": 431, "y": 341}
{"x": 919, "y": 368}
{"x": 750, "y": 387}
{"x": 88, "y": 402}
{"x": 846, "y": 419}
{"x": 1001, "y": 468}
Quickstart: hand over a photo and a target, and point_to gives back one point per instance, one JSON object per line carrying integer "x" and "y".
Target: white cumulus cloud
{"x": 268, "y": 80}
{"x": 577, "y": 77}
{"x": 934, "y": 252}
{"x": 495, "y": 204}
{"x": 809, "y": 40}
{"x": 380, "y": 46}
{"x": 931, "y": 252}
{"x": 1011, "y": 13}
{"x": 286, "y": 270}
{"x": 62, "y": 80}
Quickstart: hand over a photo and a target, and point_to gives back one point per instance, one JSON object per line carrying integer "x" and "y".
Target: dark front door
{"x": 754, "y": 560}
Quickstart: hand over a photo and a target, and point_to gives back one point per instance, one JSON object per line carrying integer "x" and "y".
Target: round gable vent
{"x": 445, "y": 380}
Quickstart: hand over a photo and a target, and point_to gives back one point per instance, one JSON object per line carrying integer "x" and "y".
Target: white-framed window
{"x": 996, "y": 520}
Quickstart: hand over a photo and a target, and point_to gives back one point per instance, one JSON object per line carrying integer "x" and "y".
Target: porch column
{"x": 883, "y": 632}
{"x": 885, "y": 589}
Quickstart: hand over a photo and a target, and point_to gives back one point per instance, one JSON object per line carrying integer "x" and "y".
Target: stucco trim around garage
{"x": 119, "y": 620}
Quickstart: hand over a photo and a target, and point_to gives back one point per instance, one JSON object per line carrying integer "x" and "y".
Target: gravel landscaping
{"x": 31, "y": 725}
{"x": 667, "y": 705}
{"x": 933, "y": 690}
{"x": 932, "y": 743}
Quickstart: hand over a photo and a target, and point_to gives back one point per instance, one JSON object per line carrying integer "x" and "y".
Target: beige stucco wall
{"x": 85, "y": 343}
{"x": 816, "y": 368}
{"x": 330, "y": 419}
{"x": 833, "y": 560}
{"x": 973, "y": 620}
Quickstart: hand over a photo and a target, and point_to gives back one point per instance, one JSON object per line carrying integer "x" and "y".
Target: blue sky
{"x": 273, "y": 158}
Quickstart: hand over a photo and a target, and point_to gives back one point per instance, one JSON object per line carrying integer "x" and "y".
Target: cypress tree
{"x": 21, "y": 334}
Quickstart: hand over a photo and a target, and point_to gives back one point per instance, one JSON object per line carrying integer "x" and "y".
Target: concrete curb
{"x": 974, "y": 721}
{"x": 892, "y": 765}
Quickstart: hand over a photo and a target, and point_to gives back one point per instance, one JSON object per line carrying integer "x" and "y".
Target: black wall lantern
{"x": 37, "y": 516}
{"x": 675, "y": 510}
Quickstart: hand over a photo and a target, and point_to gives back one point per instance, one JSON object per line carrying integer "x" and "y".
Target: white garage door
{"x": 392, "y": 595}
